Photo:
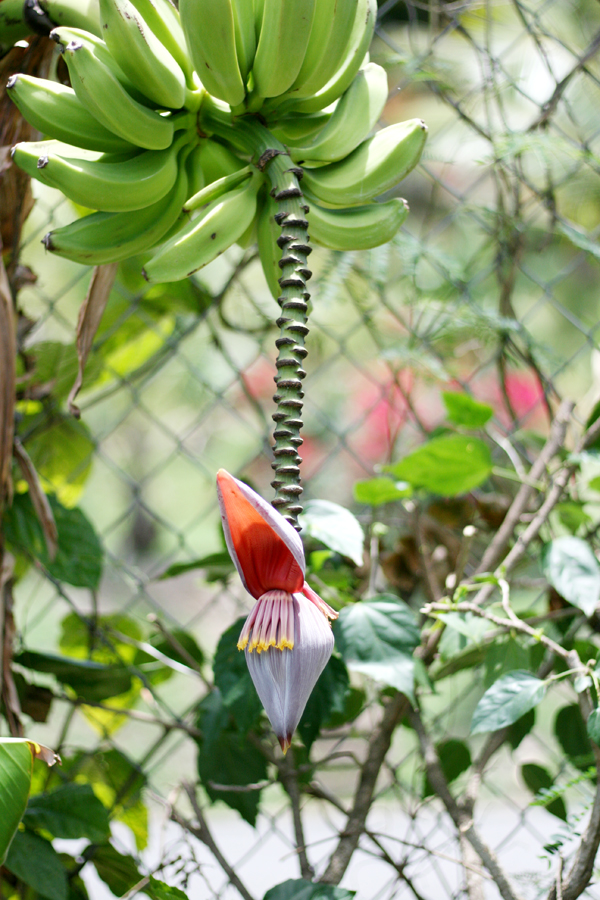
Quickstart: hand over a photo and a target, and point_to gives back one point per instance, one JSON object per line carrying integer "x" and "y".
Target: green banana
{"x": 13, "y": 26}
{"x": 141, "y": 55}
{"x": 376, "y": 165}
{"x": 99, "y": 89}
{"x": 217, "y": 189}
{"x": 204, "y": 238}
{"x": 163, "y": 19}
{"x": 268, "y": 231}
{"x": 74, "y": 13}
{"x": 217, "y": 161}
{"x": 282, "y": 45}
{"x": 245, "y": 35}
{"x": 294, "y": 129}
{"x": 327, "y": 47}
{"x": 353, "y": 119}
{"x": 358, "y": 228}
{"x": 209, "y": 29}
{"x": 104, "y": 237}
{"x": 358, "y": 47}
{"x": 196, "y": 179}
{"x": 108, "y": 183}
{"x": 56, "y": 111}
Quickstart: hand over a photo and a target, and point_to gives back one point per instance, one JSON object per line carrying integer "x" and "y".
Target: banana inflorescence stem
{"x": 271, "y": 157}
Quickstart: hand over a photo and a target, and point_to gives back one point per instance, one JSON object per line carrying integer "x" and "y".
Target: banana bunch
{"x": 160, "y": 135}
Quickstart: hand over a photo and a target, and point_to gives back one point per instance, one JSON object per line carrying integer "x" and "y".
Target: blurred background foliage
{"x": 490, "y": 293}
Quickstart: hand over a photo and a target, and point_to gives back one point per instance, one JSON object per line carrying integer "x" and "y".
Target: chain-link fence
{"x": 491, "y": 286}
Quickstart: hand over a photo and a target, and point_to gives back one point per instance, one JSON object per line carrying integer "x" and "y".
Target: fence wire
{"x": 492, "y": 285}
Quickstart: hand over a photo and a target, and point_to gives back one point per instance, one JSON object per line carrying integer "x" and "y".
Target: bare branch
{"x": 289, "y": 779}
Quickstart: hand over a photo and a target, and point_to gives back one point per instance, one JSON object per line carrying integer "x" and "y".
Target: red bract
{"x": 287, "y": 637}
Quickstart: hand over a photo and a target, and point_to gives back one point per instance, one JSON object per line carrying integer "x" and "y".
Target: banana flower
{"x": 287, "y": 637}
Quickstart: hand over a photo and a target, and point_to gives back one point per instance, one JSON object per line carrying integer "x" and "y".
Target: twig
{"x": 460, "y": 817}
{"x": 379, "y": 745}
{"x": 202, "y": 832}
{"x": 289, "y": 779}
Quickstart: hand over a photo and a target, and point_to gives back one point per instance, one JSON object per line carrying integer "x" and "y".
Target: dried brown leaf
{"x": 89, "y": 319}
{"x": 38, "y": 498}
{"x": 7, "y": 383}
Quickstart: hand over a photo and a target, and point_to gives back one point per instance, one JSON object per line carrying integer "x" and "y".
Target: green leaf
{"x": 71, "y": 811}
{"x": 594, "y": 484}
{"x": 448, "y": 465}
{"x": 118, "y": 871}
{"x": 233, "y": 680}
{"x": 56, "y": 364}
{"x": 328, "y": 698}
{"x": 455, "y": 758}
{"x": 507, "y": 700}
{"x": 572, "y": 515}
{"x": 579, "y": 238}
{"x": 538, "y": 779}
{"x": 158, "y": 890}
{"x": 334, "y": 526}
{"x": 78, "y": 560}
{"x": 377, "y": 491}
{"x": 572, "y": 569}
{"x": 593, "y": 726}
{"x": 36, "y": 862}
{"x": 572, "y": 735}
{"x": 62, "y": 454}
{"x": 521, "y": 728}
{"x": 470, "y": 626}
{"x": 95, "y": 639}
{"x": 16, "y": 766}
{"x": 217, "y": 566}
{"x": 377, "y": 637}
{"x": 299, "y": 889}
{"x": 225, "y": 760}
{"x": 464, "y": 410}
{"x": 504, "y": 655}
{"x": 90, "y": 680}
{"x": 353, "y": 705}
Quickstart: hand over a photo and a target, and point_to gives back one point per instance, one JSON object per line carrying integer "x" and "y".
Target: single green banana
{"x": 327, "y": 47}
{"x": 104, "y": 237}
{"x": 99, "y": 89}
{"x": 111, "y": 184}
{"x": 217, "y": 161}
{"x": 358, "y": 47}
{"x": 376, "y": 165}
{"x": 217, "y": 188}
{"x": 204, "y": 238}
{"x": 56, "y": 111}
{"x": 358, "y": 228}
{"x": 245, "y": 35}
{"x": 163, "y": 19}
{"x": 294, "y": 129}
{"x": 74, "y": 13}
{"x": 282, "y": 45}
{"x": 353, "y": 119}
{"x": 196, "y": 179}
{"x": 140, "y": 54}
{"x": 13, "y": 26}
{"x": 209, "y": 29}
{"x": 268, "y": 231}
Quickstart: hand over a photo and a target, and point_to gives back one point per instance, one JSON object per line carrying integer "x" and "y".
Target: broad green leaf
{"x": 96, "y": 639}
{"x": 117, "y": 870}
{"x": 539, "y": 779}
{"x": 334, "y": 526}
{"x": 464, "y": 410}
{"x": 78, "y": 560}
{"x": 71, "y": 811}
{"x": 299, "y": 889}
{"x": 572, "y": 735}
{"x": 520, "y": 729}
{"x": 36, "y": 862}
{"x": 328, "y": 697}
{"x": 377, "y": 637}
{"x": 377, "y": 491}
{"x": 593, "y": 726}
{"x": 216, "y": 566}
{"x": 594, "y": 484}
{"x": 62, "y": 455}
{"x": 504, "y": 655}
{"x": 353, "y": 705}
{"x": 507, "y": 700}
{"x": 158, "y": 890}
{"x": 90, "y": 680}
{"x": 470, "y": 626}
{"x": 572, "y": 569}
{"x": 56, "y": 364}
{"x": 16, "y": 766}
{"x": 233, "y": 679}
{"x": 572, "y": 515}
{"x": 448, "y": 465}
{"x": 455, "y": 758}
{"x": 225, "y": 760}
